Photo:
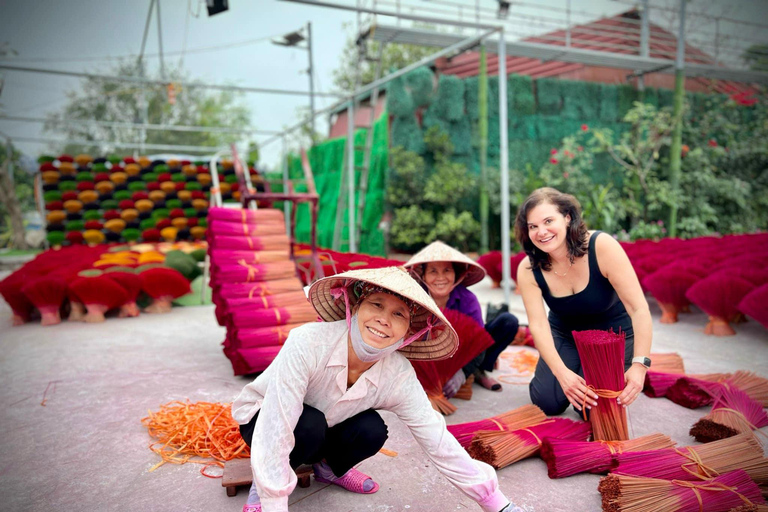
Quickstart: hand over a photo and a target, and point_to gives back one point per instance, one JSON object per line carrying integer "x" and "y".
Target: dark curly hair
{"x": 577, "y": 239}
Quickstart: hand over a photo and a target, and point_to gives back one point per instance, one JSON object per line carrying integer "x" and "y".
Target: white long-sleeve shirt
{"x": 311, "y": 369}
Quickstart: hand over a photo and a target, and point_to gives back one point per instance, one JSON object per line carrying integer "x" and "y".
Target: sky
{"x": 80, "y": 35}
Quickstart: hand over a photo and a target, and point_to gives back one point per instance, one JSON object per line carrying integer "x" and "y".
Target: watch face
{"x": 647, "y": 362}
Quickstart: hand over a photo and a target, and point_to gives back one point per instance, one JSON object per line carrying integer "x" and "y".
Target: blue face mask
{"x": 365, "y": 352}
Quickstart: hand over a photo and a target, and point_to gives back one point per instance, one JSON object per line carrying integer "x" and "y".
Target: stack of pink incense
{"x": 258, "y": 295}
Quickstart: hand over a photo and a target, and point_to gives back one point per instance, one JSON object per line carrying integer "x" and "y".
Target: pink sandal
{"x": 488, "y": 382}
{"x": 352, "y": 481}
{"x": 252, "y": 508}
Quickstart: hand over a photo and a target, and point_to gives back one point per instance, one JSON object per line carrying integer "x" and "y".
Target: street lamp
{"x": 292, "y": 39}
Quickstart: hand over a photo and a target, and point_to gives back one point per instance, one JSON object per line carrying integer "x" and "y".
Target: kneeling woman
{"x": 316, "y": 403}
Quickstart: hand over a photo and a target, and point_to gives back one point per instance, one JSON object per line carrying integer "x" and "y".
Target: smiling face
{"x": 383, "y": 319}
{"x": 439, "y": 277}
{"x": 547, "y": 227}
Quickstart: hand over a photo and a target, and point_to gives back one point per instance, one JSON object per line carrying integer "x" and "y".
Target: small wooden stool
{"x": 237, "y": 472}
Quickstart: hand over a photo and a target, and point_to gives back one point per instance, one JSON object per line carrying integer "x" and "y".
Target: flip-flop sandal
{"x": 352, "y": 481}
{"x": 488, "y": 383}
{"x": 252, "y": 508}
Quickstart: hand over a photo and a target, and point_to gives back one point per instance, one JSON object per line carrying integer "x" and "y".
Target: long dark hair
{"x": 577, "y": 239}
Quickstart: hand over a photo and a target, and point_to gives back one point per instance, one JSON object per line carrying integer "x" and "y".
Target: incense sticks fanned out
{"x": 668, "y": 362}
{"x": 699, "y": 462}
{"x": 657, "y": 383}
{"x": 565, "y": 457}
{"x": 692, "y": 391}
{"x": 641, "y": 494}
{"x": 502, "y": 448}
{"x": 521, "y": 417}
{"x": 602, "y": 359}
{"x": 732, "y": 413}
{"x": 752, "y": 384}
{"x": 465, "y": 391}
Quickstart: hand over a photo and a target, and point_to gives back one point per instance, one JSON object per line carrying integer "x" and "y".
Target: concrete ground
{"x": 85, "y": 448}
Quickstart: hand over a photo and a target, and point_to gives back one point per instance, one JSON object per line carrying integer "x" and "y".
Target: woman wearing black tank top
{"x": 587, "y": 282}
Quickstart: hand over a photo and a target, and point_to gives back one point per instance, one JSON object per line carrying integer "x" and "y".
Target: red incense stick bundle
{"x": 602, "y": 359}
{"x": 755, "y": 304}
{"x": 521, "y": 417}
{"x": 733, "y": 412}
{"x": 432, "y": 382}
{"x": 566, "y": 457}
{"x": 668, "y": 287}
{"x": 131, "y": 283}
{"x": 502, "y": 448}
{"x": 10, "y": 289}
{"x": 719, "y": 295}
{"x": 243, "y": 318}
{"x": 163, "y": 285}
{"x": 98, "y": 293}
{"x": 700, "y": 462}
{"x": 47, "y": 293}
{"x": 642, "y": 494}
{"x": 491, "y": 262}
{"x": 692, "y": 392}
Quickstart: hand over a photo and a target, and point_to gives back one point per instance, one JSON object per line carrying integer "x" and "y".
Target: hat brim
{"x": 439, "y": 251}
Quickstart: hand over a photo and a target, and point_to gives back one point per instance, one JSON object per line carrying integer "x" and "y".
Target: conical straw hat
{"x": 440, "y": 342}
{"x": 438, "y": 251}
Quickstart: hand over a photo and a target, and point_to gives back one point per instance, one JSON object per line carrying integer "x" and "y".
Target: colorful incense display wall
{"x": 112, "y": 199}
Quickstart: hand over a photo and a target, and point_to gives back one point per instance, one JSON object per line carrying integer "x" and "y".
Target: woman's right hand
{"x": 575, "y": 388}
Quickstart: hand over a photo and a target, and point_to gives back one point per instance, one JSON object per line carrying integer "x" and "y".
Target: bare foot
{"x": 77, "y": 312}
{"x": 129, "y": 310}
{"x": 159, "y": 305}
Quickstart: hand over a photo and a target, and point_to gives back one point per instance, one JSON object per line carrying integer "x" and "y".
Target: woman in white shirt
{"x": 316, "y": 403}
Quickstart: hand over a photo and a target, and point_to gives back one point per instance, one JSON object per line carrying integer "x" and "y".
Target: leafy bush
{"x": 459, "y": 230}
{"x": 411, "y": 228}
{"x": 407, "y": 178}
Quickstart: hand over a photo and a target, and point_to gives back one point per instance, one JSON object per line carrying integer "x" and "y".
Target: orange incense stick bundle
{"x": 565, "y": 457}
{"x": 502, "y": 448}
{"x": 521, "y": 417}
{"x": 642, "y": 494}
{"x": 223, "y": 228}
{"x": 602, "y": 359}
{"x": 668, "y": 362}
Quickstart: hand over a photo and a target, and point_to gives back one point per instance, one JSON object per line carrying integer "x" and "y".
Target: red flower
{"x": 568, "y": 153}
{"x": 584, "y": 128}
{"x": 565, "y": 175}
{"x": 712, "y": 143}
{"x": 553, "y": 160}
{"x": 684, "y": 150}
{"x": 553, "y": 151}
{"x": 580, "y": 148}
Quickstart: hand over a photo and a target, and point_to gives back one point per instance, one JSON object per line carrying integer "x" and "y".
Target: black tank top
{"x": 595, "y": 307}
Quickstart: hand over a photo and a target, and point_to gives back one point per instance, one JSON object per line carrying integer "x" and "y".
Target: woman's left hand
{"x": 635, "y": 379}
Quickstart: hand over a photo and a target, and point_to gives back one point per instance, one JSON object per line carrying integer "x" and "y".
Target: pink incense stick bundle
{"x": 246, "y": 216}
{"x": 692, "y": 392}
{"x": 259, "y": 302}
{"x": 248, "y": 273}
{"x": 657, "y": 384}
{"x": 642, "y": 494}
{"x": 668, "y": 287}
{"x": 698, "y": 462}
{"x": 752, "y": 384}
{"x": 10, "y": 289}
{"x": 242, "y": 290}
{"x": 221, "y": 228}
{"x": 602, "y": 359}
{"x": 514, "y": 263}
{"x": 47, "y": 293}
{"x": 249, "y": 243}
{"x": 755, "y": 304}
{"x": 732, "y": 413}
{"x": 225, "y": 256}
{"x": 261, "y": 336}
{"x": 502, "y": 448}
{"x": 274, "y": 316}
{"x": 566, "y": 457}
{"x": 521, "y": 417}
{"x": 252, "y": 360}
{"x": 719, "y": 295}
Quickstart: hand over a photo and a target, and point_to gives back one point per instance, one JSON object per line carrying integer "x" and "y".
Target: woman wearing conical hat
{"x": 446, "y": 274}
{"x": 317, "y": 402}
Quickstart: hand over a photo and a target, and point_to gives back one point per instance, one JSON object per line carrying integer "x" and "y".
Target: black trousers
{"x": 545, "y": 390}
{"x": 342, "y": 446}
{"x": 502, "y": 329}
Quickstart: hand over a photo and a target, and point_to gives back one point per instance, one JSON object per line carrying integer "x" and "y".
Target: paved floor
{"x": 85, "y": 448}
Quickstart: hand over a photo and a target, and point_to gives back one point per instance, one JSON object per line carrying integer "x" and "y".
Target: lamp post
{"x": 292, "y": 40}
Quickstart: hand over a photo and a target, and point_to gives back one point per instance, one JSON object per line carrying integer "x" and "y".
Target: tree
{"x": 16, "y": 197}
{"x": 394, "y": 57}
{"x": 124, "y": 102}
{"x": 756, "y": 57}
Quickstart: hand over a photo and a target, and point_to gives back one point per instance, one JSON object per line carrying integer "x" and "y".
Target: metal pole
{"x": 504, "y": 164}
{"x": 677, "y": 131}
{"x": 311, "y": 79}
{"x": 160, "y": 40}
{"x": 568, "y": 23}
{"x": 644, "y": 38}
{"x": 482, "y": 96}
{"x": 351, "y": 174}
{"x": 286, "y": 186}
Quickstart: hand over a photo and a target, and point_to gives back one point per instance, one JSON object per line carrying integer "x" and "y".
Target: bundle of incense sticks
{"x": 658, "y": 383}
{"x": 733, "y": 412}
{"x": 252, "y": 318}
{"x": 432, "y": 381}
{"x": 692, "y": 392}
{"x": 699, "y": 462}
{"x": 641, "y": 494}
{"x": 668, "y": 362}
{"x": 502, "y": 448}
{"x": 750, "y": 508}
{"x": 566, "y": 457}
{"x": 521, "y": 417}
{"x": 602, "y": 359}
{"x": 752, "y": 384}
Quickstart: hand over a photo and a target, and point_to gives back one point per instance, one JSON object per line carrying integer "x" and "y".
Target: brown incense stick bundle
{"x": 465, "y": 391}
{"x": 752, "y": 384}
{"x": 732, "y": 413}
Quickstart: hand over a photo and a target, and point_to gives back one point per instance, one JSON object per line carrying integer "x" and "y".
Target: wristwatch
{"x": 645, "y": 361}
